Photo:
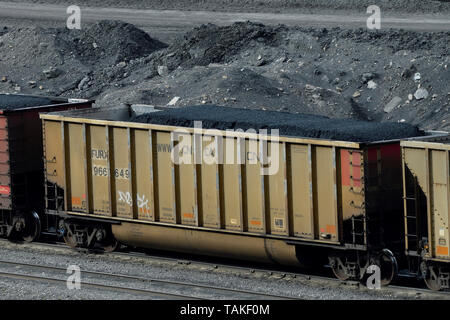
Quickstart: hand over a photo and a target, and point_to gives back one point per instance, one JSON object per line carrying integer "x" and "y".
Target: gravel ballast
{"x": 274, "y": 284}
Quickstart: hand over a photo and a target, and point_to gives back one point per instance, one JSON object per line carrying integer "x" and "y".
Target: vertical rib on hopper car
{"x": 328, "y": 199}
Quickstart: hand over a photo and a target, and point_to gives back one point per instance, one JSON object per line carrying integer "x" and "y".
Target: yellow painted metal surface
{"x": 324, "y": 193}
{"x": 199, "y": 242}
{"x": 142, "y": 158}
{"x": 440, "y": 206}
{"x": 77, "y": 170}
{"x": 128, "y": 172}
{"x": 186, "y": 182}
{"x": 232, "y": 186}
{"x": 54, "y": 153}
{"x": 254, "y": 188}
{"x": 277, "y": 192}
{"x": 122, "y": 172}
{"x": 429, "y": 165}
{"x": 165, "y": 178}
{"x": 208, "y": 183}
{"x": 300, "y": 185}
{"x": 101, "y": 202}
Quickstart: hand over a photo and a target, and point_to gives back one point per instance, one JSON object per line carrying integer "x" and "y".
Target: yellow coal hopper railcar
{"x": 426, "y": 210}
{"x": 110, "y": 179}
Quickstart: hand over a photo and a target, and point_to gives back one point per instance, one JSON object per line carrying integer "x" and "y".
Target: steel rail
{"x": 251, "y": 294}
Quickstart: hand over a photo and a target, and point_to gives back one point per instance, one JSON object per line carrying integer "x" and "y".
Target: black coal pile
{"x": 108, "y": 42}
{"x": 385, "y": 75}
{"x": 396, "y": 40}
{"x": 288, "y": 124}
{"x": 9, "y": 102}
{"x": 75, "y": 63}
{"x": 210, "y": 43}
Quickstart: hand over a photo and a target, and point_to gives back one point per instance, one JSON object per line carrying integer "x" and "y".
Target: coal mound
{"x": 109, "y": 42}
{"x": 288, "y": 124}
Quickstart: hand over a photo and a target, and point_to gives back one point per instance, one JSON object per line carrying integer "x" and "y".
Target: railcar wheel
{"x": 111, "y": 246}
{"x": 339, "y": 269}
{"x": 388, "y": 267}
{"x": 32, "y": 227}
{"x": 106, "y": 240}
{"x": 25, "y": 227}
{"x": 431, "y": 278}
{"x": 68, "y": 235}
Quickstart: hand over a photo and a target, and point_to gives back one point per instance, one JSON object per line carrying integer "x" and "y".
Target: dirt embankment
{"x": 389, "y": 75}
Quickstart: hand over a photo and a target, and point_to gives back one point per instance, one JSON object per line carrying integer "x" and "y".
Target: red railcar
{"x": 21, "y": 166}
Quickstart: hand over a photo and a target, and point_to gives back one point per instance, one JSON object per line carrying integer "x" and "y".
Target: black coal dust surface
{"x": 9, "y": 102}
{"x": 375, "y": 75}
{"x": 288, "y": 124}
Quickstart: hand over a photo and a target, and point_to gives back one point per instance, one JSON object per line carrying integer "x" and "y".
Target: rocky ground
{"x": 386, "y": 75}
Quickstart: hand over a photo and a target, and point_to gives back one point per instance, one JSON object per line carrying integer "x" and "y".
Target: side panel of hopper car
{"x": 353, "y": 196}
{"x": 143, "y": 174}
{"x": 383, "y": 196}
{"x": 209, "y": 185}
{"x": 186, "y": 183}
{"x": 325, "y": 193}
{"x": 427, "y": 194}
{"x": 54, "y": 162}
{"x": 300, "y": 186}
{"x": 164, "y": 174}
{"x": 100, "y": 166}
{"x": 129, "y": 173}
{"x": 56, "y": 154}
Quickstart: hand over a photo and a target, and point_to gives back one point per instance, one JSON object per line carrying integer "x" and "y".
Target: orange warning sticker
{"x": 76, "y": 201}
{"x": 255, "y": 222}
{"x": 188, "y": 215}
{"x": 331, "y": 229}
{"x": 442, "y": 251}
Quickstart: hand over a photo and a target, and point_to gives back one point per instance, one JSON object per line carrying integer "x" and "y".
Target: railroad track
{"x": 282, "y": 273}
{"x": 154, "y": 294}
{"x": 183, "y": 290}
{"x": 272, "y": 271}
